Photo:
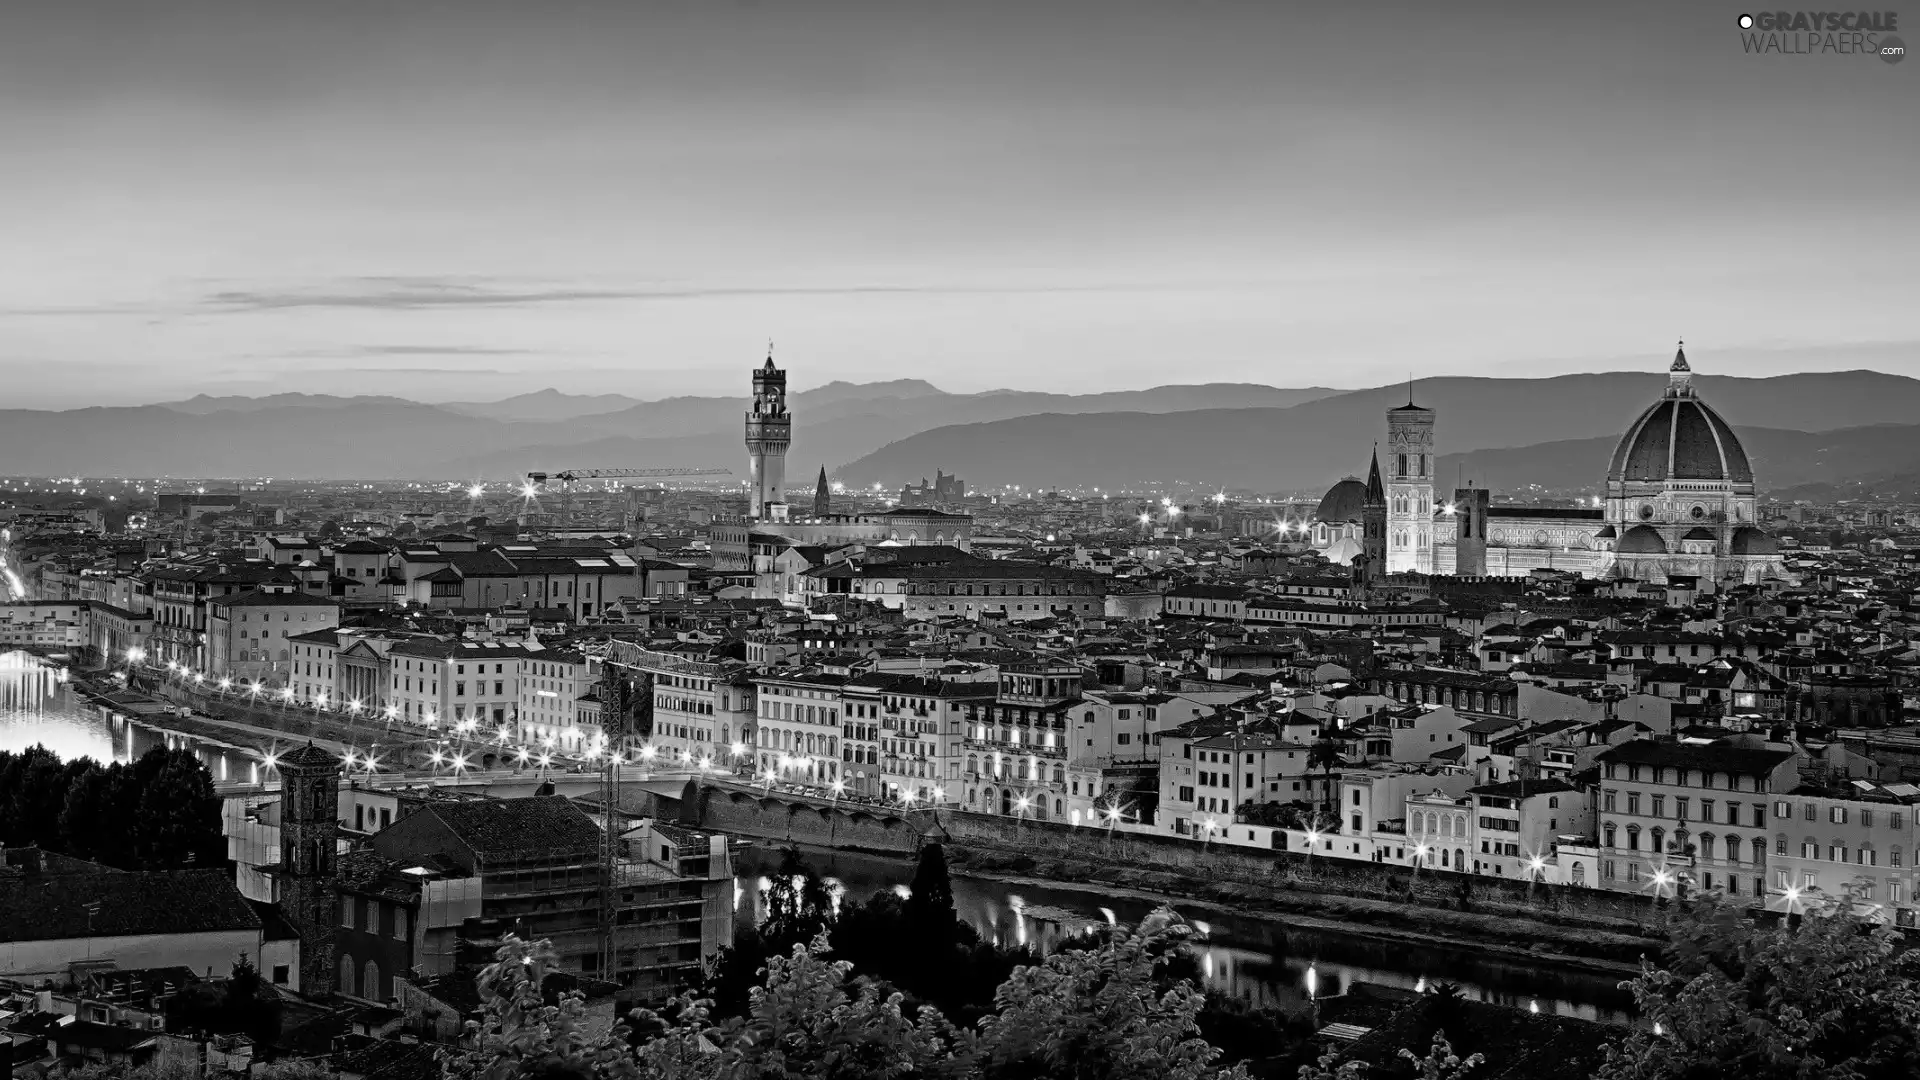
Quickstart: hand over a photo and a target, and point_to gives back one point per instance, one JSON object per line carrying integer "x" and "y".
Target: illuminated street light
{"x": 476, "y": 491}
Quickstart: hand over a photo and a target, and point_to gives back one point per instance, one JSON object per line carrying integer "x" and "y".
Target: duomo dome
{"x": 1680, "y": 438}
{"x": 1680, "y": 494}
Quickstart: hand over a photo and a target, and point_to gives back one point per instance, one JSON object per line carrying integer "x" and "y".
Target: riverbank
{"x": 265, "y": 728}
{"x": 1265, "y": 958}
{"x": 1582, "y": 947}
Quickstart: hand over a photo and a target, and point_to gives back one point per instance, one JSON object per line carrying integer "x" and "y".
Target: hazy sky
{"x": 464, "y": 199}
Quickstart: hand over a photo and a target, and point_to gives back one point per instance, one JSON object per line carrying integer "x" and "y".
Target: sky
{"x": 463, "y": 200}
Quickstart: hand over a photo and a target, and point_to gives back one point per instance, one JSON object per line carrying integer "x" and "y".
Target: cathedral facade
{"x": 1679, "y": 501}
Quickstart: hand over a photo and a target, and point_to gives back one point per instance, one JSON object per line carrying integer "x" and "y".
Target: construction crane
{"x": 566, "y": 478}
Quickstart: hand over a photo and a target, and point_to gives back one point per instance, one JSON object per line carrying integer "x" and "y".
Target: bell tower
{"x": 1410, "y": 488}
{"x": 769, "y": 433}
{"x": 309, "y": 844}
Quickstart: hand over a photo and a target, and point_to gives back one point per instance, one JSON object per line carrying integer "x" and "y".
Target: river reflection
{"x": 37, "y": 705}
{"x": 1265, "y": 962}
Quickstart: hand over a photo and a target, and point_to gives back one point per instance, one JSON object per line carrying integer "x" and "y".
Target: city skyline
{"x": 253, "y": 199}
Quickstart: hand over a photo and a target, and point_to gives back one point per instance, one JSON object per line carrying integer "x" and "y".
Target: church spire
{"x": 822, "y": 496}
{"x": 1376, "y": 491}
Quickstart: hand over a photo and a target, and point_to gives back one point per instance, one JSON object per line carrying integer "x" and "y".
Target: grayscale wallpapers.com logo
{"x": 1837, "y": 33}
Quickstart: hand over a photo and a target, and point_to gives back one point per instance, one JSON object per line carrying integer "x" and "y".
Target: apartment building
{"x": 250, "y": 636}
{"x": 1016, "y": 743}
{"x": 534, "y": 868}
{"x": 797, "y": 727}
{"x": 1517, "y": 824}
{"x": 917, "y": 731}
{"x": 1692, "y": 813}
{"x": 459, "y": 685}
{"x": 701, "y": 708}
{"x": 1209, "y": 767}
{"x": 1846, "y": 839}
{"x": 551, "y": 683}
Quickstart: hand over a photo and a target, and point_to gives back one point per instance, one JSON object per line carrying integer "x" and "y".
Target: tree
{"x": 90, "y": 827}
{"x": 799, "y": 905}
{"x": 34, "y": 788}
{"x": 1324, "y": 755}
{"x": 1097, "y": 1014}
{"x": 804, "y": 1022}
{"x": 929, "y": 907}
{"x": 1827, "y": 995}
{"x": 178, "y": 823}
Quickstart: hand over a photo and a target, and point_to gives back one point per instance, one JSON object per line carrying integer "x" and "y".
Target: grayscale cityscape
{"x": 614, "y": 540}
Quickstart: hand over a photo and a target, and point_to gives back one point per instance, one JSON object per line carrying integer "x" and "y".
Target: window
{"x": 1837, "y": 815}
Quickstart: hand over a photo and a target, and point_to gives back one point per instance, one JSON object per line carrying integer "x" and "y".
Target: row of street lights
{"x": 465, "y": 730}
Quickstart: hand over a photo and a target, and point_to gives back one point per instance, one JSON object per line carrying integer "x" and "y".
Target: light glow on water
{"x": 38, "y": 706}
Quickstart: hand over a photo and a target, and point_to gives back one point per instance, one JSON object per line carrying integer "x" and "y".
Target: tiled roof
{"x": 1716, "y": 757}
{"x": 258, "y": 598}
{"x": 34, "y": 908}
{"x": 309, "y": 755}
{"x": 514, "y": 826}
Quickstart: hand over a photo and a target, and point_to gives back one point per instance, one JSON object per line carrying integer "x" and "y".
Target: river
{"x": 37, "y": 705}
{"x": 1265, "y": 961}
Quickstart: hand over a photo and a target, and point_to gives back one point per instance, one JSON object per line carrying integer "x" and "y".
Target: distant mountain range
{"x": 1503, "y": 433}
{"x": 318, "y": 435}
{"x": 1308, "y": 446}
{"x": 1781, "y": 459}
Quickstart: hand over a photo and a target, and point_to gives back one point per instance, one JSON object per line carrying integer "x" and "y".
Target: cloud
{"x": 413, "y": 294}
{"x": 437, "y": 350}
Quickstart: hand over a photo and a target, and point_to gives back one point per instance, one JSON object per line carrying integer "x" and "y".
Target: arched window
{"x": 1633, "y": 838}
{"x": 1610, "y": 836}
{"x": 1760, "y": 849}
{"x": 1553, "y": 802}
{"x": 372, "y": 977}
{"x": 1706, "y": 845}
{"x": 349, "y": 983}
{"x": 1657, "y": 839}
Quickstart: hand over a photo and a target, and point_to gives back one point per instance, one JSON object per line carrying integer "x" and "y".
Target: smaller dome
{"x": 1642, "y": 540}
{"x": 1344, "y": 501}
{"x": 1698, "y": 533}
{"x": 1751, "y": 541}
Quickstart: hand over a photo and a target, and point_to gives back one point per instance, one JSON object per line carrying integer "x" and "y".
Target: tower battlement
{"x": 769, "y": 433}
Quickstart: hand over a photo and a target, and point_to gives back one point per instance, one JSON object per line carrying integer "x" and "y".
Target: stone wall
{"x": 802, "y": 820}
{"x": 1293, "y": 871}
{"x": 799, "y": 820}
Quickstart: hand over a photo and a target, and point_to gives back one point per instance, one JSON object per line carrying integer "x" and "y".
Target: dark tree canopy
{"x": 160, "y": 813}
